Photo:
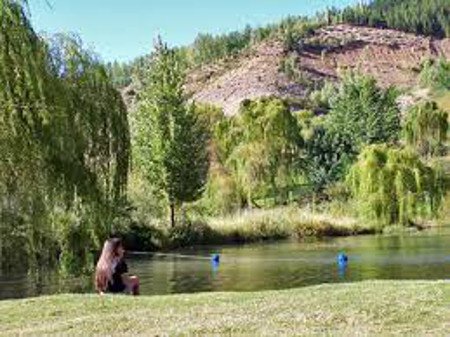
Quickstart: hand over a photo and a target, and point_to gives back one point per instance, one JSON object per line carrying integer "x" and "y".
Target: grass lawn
{"x": 387, "y": 308}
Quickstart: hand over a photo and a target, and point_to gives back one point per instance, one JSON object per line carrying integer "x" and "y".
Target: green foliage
{"x": 393, "y": 186}
{"x": 170, "y": 138}
{"x": 120, "y": 73}
{"x": 362, "y": 113}
{"x": 191, "y": 233}
{"x": 426, "y": 128}
{"x": 323, "y": 98}
{"x": 290, "y": 66}
{"x": 328, "y": 156}
{"x": 424, "y": 17}
{"x": 222, "y": 195}
{"x": 436, "y": 74}
{"x": 207, "y": 48}
{"x": 64, "y": 142}
{"x": 142, "y": 237}
{"x": 292, "y": 30}
{"x": 260, "y": 147}
{"x": 359, "y": 113}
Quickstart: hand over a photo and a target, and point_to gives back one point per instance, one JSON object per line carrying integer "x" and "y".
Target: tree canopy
{"x": 171, "y": 140}
{"x": 64, "y": 144}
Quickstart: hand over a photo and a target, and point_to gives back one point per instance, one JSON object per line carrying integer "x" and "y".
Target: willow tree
{"x": 394, "y": 186}
{"x": 24, "y": 112}
{"x": 64, "y": 145}
{"x": 261, "y": 147}
{"x": 426, "y": 128}
{"x": 170, "y": 137}
{"x": 90, "y": 143}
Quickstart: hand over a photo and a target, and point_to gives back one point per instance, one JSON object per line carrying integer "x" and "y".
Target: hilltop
{"x": 392, "y": 57}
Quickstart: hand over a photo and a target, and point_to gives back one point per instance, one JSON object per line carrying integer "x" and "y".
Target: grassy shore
{"x": 286, "y": 222}
{"x": 388, "y": 308}
{"x": 253, "y": 226}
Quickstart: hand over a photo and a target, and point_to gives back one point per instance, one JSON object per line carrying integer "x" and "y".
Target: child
{"x": 111, "y": 272}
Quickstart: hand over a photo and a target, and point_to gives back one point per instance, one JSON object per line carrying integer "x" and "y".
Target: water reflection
{"x": 266, "y": 266}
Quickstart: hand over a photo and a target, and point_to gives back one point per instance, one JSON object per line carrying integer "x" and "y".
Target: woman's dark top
{"x": 116, "y": 285}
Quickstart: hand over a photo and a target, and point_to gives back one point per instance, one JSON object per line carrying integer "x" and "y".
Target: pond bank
{"x": 365, "y": 308}
{"x": 247, "y": 227}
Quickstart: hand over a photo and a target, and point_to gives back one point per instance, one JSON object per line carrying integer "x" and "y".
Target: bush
{"x": 142, "y": 237}
{"x": 436, "y": 74}
{"x": 191, "y": 233}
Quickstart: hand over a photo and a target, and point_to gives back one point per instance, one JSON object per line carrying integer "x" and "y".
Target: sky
{"x": 124, "y": 29}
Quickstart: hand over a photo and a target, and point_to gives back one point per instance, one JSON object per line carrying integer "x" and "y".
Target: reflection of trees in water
{"x": 260, "y": 267}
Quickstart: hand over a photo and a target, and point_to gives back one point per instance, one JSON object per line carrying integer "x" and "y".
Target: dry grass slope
{"x": 392, "y": 57}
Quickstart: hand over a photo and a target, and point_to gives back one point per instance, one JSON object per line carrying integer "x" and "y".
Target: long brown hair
{"x": 103, "y": 271}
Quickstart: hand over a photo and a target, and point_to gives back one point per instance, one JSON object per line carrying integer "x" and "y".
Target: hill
{"x": 392, "y": 57}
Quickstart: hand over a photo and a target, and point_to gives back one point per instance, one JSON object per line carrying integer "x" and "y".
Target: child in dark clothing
{"x": 111, "y": 272}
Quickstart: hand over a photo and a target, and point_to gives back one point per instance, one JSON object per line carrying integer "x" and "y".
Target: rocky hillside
{"x": 392, "y": 57}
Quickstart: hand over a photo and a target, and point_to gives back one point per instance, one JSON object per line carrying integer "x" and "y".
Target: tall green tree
{"x": 364, "y": 113}
{"x": 64, "y": 146}
{"x": 171, "y": 140}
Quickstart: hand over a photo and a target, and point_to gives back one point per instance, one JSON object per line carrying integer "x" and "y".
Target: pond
{"x": 255, "y": 267}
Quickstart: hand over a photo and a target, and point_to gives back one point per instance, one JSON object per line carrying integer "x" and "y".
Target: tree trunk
{"x": 172, "y": 214}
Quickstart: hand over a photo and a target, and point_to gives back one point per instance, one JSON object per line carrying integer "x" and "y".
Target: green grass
{"x": 387, "y": 308}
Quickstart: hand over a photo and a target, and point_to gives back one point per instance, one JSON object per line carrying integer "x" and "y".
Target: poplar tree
{"x": 170, "y": 143}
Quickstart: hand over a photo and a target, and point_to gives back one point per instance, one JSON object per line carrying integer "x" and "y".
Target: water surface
{"x": 267, "y": 266}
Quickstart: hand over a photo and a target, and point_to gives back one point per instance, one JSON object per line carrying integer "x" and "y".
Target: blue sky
{"x": 124, "y": 29}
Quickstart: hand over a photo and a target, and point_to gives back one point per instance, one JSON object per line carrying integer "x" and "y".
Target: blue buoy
{"x": 215, "y": 258}
{"x": 342, "y": 259}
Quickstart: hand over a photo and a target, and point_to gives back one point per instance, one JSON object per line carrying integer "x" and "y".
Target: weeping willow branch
{"x": 394, "y": 186}
{"x": 64, "y": 141}
{"x": 426, "y": 129}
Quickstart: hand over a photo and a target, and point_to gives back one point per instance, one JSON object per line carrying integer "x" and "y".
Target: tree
{"x": 261, "y": 148}
{"x": 363, "y": 113}
{"x": 171, "y": 139}
{"x": 328, "y": 156}
{"x": 424, "y": 17}
{"x": 426, "y": 129}
{"x": 393, "y": 186}
{"x": 64, "y": 146}
{"x": 436, "y": 74}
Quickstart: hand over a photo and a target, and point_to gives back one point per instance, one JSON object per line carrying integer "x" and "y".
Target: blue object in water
{"x": 342, "y": 259}
{"x": 215, "y": 258}
{"x": 342, "y": 270}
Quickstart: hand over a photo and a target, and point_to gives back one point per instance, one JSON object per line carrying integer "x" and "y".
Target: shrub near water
{"x": 426, "y": 129}
{"x": 394, "y": 186}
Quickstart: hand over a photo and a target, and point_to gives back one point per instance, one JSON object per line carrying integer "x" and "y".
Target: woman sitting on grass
{"x": 111, "y": 272}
